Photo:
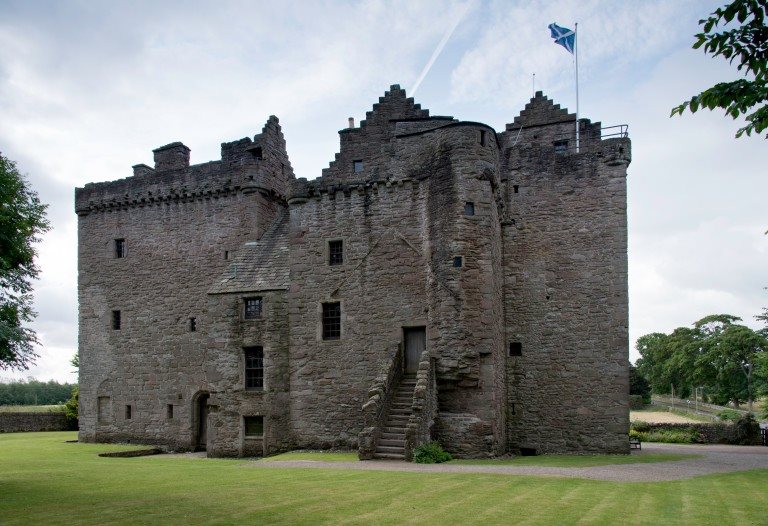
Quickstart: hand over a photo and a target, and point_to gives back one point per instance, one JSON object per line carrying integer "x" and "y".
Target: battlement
{"x": 247, "y": 165}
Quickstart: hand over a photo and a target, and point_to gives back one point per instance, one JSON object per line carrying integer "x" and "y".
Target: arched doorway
{"x": 200, "y": 421}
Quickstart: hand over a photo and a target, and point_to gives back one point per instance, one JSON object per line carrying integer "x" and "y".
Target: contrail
{"x": 439, "y": 48}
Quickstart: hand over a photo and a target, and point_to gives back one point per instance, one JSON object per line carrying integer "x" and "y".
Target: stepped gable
{"x": 259, "y": 265}
{"x": 541, "y": 110}
{"x": 370, "y": 141}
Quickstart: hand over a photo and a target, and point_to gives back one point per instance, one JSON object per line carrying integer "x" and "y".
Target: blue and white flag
{"x": 563, "y": 36}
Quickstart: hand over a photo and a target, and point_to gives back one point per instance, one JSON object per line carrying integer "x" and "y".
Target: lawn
{"x": 44, "y": 480}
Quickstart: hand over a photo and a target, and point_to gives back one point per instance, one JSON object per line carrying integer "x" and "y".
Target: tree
{"x": 22, "y": 221}
{"x": 638, "y": 385}
{"x": 747, "y": 45}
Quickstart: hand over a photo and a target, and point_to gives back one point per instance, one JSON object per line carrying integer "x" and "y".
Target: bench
{"x": 634, "y": 443}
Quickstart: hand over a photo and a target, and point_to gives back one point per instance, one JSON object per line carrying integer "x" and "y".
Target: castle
{"x": 439, "y": 281}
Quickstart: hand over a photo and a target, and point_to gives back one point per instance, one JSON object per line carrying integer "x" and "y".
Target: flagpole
{"x": 576, "y": 53}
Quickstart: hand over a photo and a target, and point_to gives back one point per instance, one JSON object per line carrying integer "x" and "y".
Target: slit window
{"x": 119, "y": 248}
{"x": 458, "y": 261}
{"x": 357, "y": 166}
{"x": 254, "y": 426}
{"x": 335, "y": 252}
{"x": 117, "y": 321}
{"x": 252, "y": 308}
{"x": 226, "y": 254}
{"x": 128, "y": 412}
{"x": 192, "y": 324}
{"x": 331, "y": 321}
{"x": 561, "y": 146}
{"x": 483, "y": 140}
{"x": 516, "y": 188}
{"x": 254, "y": 368}
{"x": 515, "y": 349}
{"x": 469, "y": 209}
{"x": 169, "y": 411}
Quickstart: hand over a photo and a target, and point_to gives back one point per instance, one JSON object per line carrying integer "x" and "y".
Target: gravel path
{"x": 715, "y": 459}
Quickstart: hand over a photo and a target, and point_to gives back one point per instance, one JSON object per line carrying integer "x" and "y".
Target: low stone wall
{"x": 464, "y": 435}
{"x": 18, "y": 422}
{"x": 711, "y": 433}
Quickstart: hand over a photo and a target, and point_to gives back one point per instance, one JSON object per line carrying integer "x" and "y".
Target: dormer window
{"x": 358, "y": 166}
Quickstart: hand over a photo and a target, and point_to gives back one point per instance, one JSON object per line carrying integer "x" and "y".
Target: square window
{"x": 169, "y": 411}
{"x": 128, "y": 412}
{"x": 358, "y": 166}
{"x": 116, "y": 320}
{"x": 254, "y": 368}
{"x": 119, "y": 248}
{"x": 335, "y": 252}
{"x": 254, "y": 426}
{"x": 515, "y": 349}
{"x": 469, "y": 209}
{"x": 252, "y": 308}
{"x": 561, "y": 146}
{"x": 331, "y": 321}
{"x": 458, "y": 261}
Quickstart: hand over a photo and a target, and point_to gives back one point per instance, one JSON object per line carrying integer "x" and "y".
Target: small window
{"x": 119, "y": 248}
{"x": 482, "y": 138}
{"x": 116, "y": 320}
{"x": 226, "y": 254}
{"x": 252, "y": 308}
{"x": 192, "y": 324}
{"x": 256, "y": 153}
{"x": 331, "y": 321}
{"x": 561, "y": 146}
{"x": 516, "y": 188}
{"x": 169, "y": 411}
{"x": 254, "y": 368}
{"x": 254, "y": 426}
{"x": 458, "y": 261}
{"x": 128, "y": 412}
{"x": 469, "y": 209}
{"x": 335, "y": 252}
{"x": 515, "y": 349}
{"x": 358, "y": 166}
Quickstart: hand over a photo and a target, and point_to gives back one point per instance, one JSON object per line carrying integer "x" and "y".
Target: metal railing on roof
{"x": 620, "y": 130}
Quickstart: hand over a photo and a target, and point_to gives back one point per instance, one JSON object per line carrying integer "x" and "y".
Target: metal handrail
{"x": 622, "y": 131}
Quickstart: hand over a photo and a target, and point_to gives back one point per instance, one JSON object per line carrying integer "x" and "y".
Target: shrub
{"x": 747, "y": 430}
{"x": 636, "y": 402}
{"x": 674, "y": 436}
{"x": 430, "y": 453}
{"x": 729, "y": 415}
{"x": 640, "y": 426}
{"x": 643, "y": 437}
{"x": 71, "y": 408}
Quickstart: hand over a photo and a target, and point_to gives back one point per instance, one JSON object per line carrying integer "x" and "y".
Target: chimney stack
{"x": 351, "y": 122}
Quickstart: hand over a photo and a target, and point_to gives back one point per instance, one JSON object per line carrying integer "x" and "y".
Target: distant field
{"x": 660, "y": 417}
{"x": 32, "y": 408}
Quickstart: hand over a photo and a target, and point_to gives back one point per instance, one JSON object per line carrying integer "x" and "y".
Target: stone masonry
{"x": 234, "y": 307}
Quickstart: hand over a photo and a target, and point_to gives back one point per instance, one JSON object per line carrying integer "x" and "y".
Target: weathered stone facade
{"x": 509, "y": 249}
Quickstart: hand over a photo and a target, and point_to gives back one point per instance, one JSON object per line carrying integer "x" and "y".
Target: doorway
{"x": 415, "y": 343}
{"x": 201, "y": 421}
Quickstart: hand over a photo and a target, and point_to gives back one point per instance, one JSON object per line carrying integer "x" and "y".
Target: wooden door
{"x": 415, "y": 344}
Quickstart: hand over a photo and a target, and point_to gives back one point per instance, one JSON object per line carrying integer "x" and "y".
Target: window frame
{"x": 330, "y": 321}
{"x": 260, "y": 314}
{"x": 116, "y": 320}
{"x": 257, "y": 368}
{"x": 256, "y": 418}
{"x": 119, "y": 251}
{"x": 356, "y": 163}
{"x": 332, "y": 244}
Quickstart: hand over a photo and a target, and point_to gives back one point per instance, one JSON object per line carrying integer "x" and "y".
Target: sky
{"x": 88, "y": 89}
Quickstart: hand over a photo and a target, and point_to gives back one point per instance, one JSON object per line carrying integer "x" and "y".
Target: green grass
{"x": 577, "y": 461}
{"x": 316, "y": 456}
{"x": 32, "y": 408}
{"x": 44, "y": 480}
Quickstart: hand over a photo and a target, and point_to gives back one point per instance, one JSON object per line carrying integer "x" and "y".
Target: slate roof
{"x": 259, "y": 265}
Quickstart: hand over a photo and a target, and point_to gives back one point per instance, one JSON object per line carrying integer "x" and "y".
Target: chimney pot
{"x": 351, "y": 122}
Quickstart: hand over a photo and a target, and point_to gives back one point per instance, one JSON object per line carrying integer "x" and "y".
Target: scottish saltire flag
{"x": 563, "y": 36}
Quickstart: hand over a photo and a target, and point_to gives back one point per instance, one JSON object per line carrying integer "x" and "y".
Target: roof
{"x": 259, "y": 265}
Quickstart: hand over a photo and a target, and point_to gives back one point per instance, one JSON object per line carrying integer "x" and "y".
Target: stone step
{"x": 400, "y": 410}
{"x": 395, "y": 430}
{"x": 392, "y": 436}
{"x": 398, "y": 420}
{"x": 392, "y": 442}
{"x": 402, "y": 405}
{"x": 390, "y": 449}
{"x": 388, "y": 456}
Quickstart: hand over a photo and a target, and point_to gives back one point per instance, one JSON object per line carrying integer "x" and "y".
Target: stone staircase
{"x": 391, "y": 444}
